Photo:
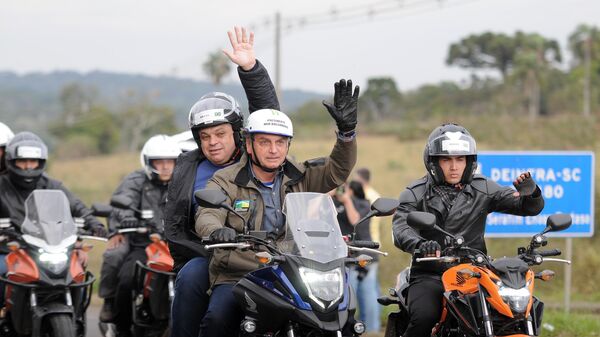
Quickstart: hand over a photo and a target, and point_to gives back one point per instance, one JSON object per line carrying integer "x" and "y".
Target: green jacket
{"x": 317, "y": 175}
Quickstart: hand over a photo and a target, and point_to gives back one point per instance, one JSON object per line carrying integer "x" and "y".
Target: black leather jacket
{"x": 12, "y": 202}
{"x": 467, "y": 217}
{"x": 179, "y": 220}
{"x": 145, "y": 195}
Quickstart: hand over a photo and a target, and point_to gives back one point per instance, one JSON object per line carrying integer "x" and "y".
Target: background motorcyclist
{"x": 147, "y": 189}
{"x": 460, "y": 200}
{"x": 256, "y": 187}
{"x": 215, "y": 121}
{"x": 26, "y": 156}
{"x": 352, "y": 205}
{"x": 5, "y": 136}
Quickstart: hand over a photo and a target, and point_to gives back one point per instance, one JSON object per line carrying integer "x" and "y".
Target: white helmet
{"x": 5, "y": 134}
{"x": 270, "y": 121}
{"x": 158, "y": 147}
{"x": 185, "y": 140}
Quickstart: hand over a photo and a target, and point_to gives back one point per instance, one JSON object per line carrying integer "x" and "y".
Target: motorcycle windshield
{"x": 48, "y": 217}
{"x": 312, "y": 229}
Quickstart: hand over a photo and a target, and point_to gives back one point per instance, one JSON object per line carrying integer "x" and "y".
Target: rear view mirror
{"x": 557, "y": 222}
{"x": 101, "y": 210}
{"x": 210, "y": 198}
{"x": 421, "y": 220}
{"x": 385, "y": 206}
{"x": 121, "y": 201}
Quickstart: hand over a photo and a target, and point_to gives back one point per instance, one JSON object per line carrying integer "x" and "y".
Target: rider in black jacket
{"x": 216, "y": 122}
{"x": 461, "y": 201}
{"x": 147, "y": 190}
{"x": 26, "y": 156}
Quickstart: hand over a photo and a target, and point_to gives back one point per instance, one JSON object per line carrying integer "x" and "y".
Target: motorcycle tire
{"x": 60, "y": 325}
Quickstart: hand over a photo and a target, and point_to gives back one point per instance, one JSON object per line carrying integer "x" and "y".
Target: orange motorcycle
{"x": 482, "y": 297}
{"x": 47, "y": 289}
{"x": 154, "y": 287}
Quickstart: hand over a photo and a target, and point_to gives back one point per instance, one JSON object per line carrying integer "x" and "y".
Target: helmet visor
{"x": 452, "y": 144}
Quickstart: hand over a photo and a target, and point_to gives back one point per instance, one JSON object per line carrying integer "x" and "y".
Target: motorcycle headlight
{"x": 323, "y": 285}
{"x": 517, "y": 299}
{"x": 55, "y": 262}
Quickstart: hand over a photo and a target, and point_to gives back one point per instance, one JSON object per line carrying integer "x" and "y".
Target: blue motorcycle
{"x": 302, "y": 288}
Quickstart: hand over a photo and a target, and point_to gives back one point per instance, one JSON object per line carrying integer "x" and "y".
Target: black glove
{"x": 128, "y": 222}
{"x": 525, "y": 185}
{"x": 223, "y": 234}
{"x": 345, "y": 105}
{"x": 429, "y": 248}
{"x": 99, "y": 231}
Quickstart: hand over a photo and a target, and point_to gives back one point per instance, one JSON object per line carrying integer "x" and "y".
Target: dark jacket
{"x": 12, "y": 202}
{"x": 467, "y": 216}
{"x": 146, "y": 195}
{"x": 317, "y": 175}
{"x": 179, "y": 220}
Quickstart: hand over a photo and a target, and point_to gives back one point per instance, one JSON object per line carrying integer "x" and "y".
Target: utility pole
{"x": 278, "y": 55}
{"x": 587, "y": 46}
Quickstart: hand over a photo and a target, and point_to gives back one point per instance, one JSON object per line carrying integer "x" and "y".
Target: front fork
{"x": 487, "y": 321}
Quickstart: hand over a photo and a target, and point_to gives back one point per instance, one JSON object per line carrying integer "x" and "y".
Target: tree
{"x": 584, "y": 44}
{"x": 381, "y": 98}
{"x": 535, "y": 57}
{"x": 216, "y": 67}
{"x": 483, "y": 51}
{"x": 76, "y": 101}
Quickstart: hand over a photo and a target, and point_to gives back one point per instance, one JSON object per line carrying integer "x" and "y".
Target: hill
{"x": 34, "y": 98}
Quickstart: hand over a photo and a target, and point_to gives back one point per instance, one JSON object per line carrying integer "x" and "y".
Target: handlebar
{"x": 367, "y": 250}
{"x": 552, "y": 252}
{"x": 364, "y": 244}
{"x": 447, "y": 259}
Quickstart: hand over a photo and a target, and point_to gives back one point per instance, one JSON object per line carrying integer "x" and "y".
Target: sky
{"x": 408, "y": 42}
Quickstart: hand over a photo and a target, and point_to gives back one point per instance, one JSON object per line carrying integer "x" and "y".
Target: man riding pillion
{"x": 5, "y": 136}
{"x": 460, "y": 200}
{"x": 215, "y": 121}
{"x": 147, "y": 189}
{"x": 26, "y": 156}
{"x": 256, "y": 188}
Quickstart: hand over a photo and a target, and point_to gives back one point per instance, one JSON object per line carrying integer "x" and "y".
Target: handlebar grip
{"x": 364, "y": 244}
{"x": 552, "y": 252}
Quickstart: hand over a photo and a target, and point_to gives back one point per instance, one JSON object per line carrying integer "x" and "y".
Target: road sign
{"x": 566, "y": 180}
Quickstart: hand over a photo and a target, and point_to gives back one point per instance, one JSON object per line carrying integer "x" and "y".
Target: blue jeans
{"x": 3, "y": 271}
{"x": 191, "y": 300}
{"x": 367, "y": 291}
{"x": 223, "y": 316}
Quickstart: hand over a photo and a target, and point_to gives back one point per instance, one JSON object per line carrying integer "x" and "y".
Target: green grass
{"x": 570, "y": 325}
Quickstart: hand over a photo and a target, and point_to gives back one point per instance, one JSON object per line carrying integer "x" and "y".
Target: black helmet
{"x": 214, "y": 109}
{"x": 450, "y": 140}
{"x": 26, "y": 145}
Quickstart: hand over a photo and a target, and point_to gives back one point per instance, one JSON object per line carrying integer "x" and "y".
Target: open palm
{"x": 242, "y": 44}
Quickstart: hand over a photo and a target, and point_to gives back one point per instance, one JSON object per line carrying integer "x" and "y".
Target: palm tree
{"x": 217, "y": 67}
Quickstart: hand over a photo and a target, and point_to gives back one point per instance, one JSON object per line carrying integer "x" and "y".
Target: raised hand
{"x": 242, "y": 44}
{"x": 345, "y": 105}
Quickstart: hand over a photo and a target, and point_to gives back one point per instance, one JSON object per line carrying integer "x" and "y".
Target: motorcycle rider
{"x": 26, "y": 156}
{"x": 215, "y": 121}
{"x": 460, "y": 200}
{"x": 147, "y": 189}
{"x": 5, "y": 136}
{"x": 256, "y": 187}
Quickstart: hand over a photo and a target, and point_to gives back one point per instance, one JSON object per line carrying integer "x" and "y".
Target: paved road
{"x": 92, "y": 321}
